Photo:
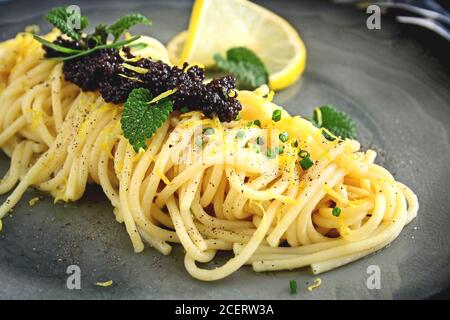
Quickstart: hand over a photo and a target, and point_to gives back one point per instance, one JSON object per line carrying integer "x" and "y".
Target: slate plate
{"x": 400, "y": 99}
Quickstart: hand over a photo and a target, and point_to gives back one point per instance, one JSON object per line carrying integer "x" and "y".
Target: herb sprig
{"x": 141, "y": 120}
{"x": 64, "y": 17}
{"x": 245, "y": 65}
{"x": 66, "y": 20}
{"x": 337, "y": 122}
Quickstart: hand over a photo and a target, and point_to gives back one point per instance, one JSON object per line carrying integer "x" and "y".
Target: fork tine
{"x": 426, "y": 23}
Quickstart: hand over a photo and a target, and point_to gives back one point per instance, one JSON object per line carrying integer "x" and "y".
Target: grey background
{"x": 396, "y": 91}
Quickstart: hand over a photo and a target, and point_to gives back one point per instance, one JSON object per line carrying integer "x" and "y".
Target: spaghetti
{"x": 208, "y": 190}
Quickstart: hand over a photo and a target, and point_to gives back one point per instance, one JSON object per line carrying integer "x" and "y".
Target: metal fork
{"x": 434, "y": 17}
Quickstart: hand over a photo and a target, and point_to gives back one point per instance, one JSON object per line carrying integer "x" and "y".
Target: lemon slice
{"x": 218, "y": 25}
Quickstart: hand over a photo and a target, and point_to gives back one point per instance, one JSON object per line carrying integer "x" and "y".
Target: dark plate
{"x": 400, "y": 99}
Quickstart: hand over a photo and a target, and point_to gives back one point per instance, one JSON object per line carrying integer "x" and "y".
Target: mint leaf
{"x": 337, "y": 122}
{"x": 245, "y": 65}
{"x": 66, "y": 20}
{"x": 125, "y": 23}
{"x": 141, "y": 120}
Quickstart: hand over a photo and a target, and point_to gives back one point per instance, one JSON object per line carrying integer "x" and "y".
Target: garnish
{"x": 336, "y": 211}
{"x": 125, "y": 23}
{"x": 259, "y": 141}
{"x": 305, "y": 161}
{"x": 134, "y": 68}
{"x": 317, "y": 282}
{"x": 66, "y": 20}
{"x": 184, "y": 109}
{"x": 257, "y": 123}
{"x": 276, "y": 115}
{"x": 270, "y": 154}
{"x": 293, "y": 286}
{"x": 141, "y": 120}
{"x": 279, "y": 150}
{"x": 104, "y": 284}
{"x": 240, "y": 134}
{"x": 245, "y": 65}
{"x": 199, "y": 142}
{"x": 284, "y": 136}
{"x": 89, "y": 51}
{"x": 208, "y": 131}
{"x": 71, "y": 23}
{"x": 337, "y": 122}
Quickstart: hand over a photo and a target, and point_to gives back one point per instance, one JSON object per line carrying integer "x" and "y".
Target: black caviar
{"x": 103, "y": 70}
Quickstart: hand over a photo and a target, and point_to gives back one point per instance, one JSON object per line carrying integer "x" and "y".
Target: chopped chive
{"x": 199, "y": 142}
{"x": 279, "y": 150}
{"x": 270, "y": 154}
{"x": 238, "y": 117}
{"x": 257, "y": 149}
{"x": 208, "y": 131}
{"x": 336, "y": 211}
{"x": 284, "y": 136}
{"x": 184, "y": 109}
{"x": 240, "y": 134}
{"x": 113, "y": 45}
{"x": 257, "y": 123}
{"x": 276, "y": 115}
{"x": 303, "y": 154}
{"x": 295, "y": 144}
{"x": 249, "y": 124}
{"x": 293, "y": 286}
{"x": 306, "y": 163}
{"x": 259, "y": 141}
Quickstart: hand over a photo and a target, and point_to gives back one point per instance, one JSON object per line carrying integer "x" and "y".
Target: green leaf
{"x": 66, "y": 20}
{"x": 55, "y": 46}
{"x": 106, "y": 46}
{"x": 337, "y": 122}
{"x": 100, "y": 35}
{"x": 125, "y": 23}
{"x": 245, "y": 65}
{"x": 141, "y": 120}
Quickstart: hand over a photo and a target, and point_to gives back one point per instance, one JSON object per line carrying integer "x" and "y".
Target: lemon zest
{"x": 315, "y": 285}
{"x": 131, "y": 78}
{"x": 259, "y": 205}
{"x": 331, "y": 134}
{"x": 134, "y": 68}
{"x": 334, "y": 194}
{"x": 138, "y": 156}
{"x": 163, "y": 177}
{"x": 33, "y": 201}
{"x": 104, "y": 284}
{"x": 318, "y": 115}
{"x": 193, "y": 65}
{"x": 107, "y": 150}
{"x": 124, "y": 57}
{"x": 284, "y": 199}
{"x": 119, "y": 166}
{"x": 163, "y": 95}
{"x": 36, "y": 119}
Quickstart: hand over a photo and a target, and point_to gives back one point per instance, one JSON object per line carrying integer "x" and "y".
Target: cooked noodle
{"x": 176, "y": 191}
